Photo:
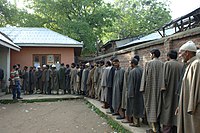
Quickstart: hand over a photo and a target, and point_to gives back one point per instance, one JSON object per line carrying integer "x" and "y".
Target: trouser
{"x": 16, "y": 89}
{"x": 169, "y": 129}
{"x": 155, "y": 126}
{"x": 109, "y": 98}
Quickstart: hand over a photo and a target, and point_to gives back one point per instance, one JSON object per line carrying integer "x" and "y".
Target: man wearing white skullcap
{"x": 188, "y": 110}
{"x": 198, "y": 53}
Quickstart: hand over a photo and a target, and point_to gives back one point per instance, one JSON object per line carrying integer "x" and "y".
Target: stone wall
{"x": 164, "y": 45}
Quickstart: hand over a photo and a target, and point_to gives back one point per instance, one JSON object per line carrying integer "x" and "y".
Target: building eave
{"x": 17, "y": 48}
{"x": 51, "y": 45}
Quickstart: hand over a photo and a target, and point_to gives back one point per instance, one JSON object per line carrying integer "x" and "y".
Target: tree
{"x": 83, "y": 20}
{"x": 139, "y": 17}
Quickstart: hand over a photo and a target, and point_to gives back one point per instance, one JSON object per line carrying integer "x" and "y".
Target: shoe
{"x": 126, "y": 121}
{"x": 120, "y": 117}
{"x": 108, "y": 112}
{"x": 115, "y": 114}
{"x": 14, "y": 99}
{"x": 134, "y": 125}
{"x": 19, "y": 98}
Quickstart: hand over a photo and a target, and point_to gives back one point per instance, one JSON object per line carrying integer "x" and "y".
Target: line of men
{"x": 158, "y": 93}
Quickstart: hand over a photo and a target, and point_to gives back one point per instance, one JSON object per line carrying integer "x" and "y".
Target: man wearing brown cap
{"x": 189, "y": 103}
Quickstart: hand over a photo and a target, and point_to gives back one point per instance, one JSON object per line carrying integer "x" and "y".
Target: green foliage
{"x": 138, "y": 17}
{"x": 90, "y": 21}
{"x": 114, "y": 125}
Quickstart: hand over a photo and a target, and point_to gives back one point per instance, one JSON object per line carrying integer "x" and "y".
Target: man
{"x": 198, "y": 53}
{"x": 1, "y": 77}
{"x": 96, "y": 78}
{"x": 135, "y": 103}
{"x": 78, "y": 79}
{"x": 48, "y": 80}
{"x": 73, "y": 74}
{"x": 84, "y": 85}
{"x": 124, "y": 95}
{"x": 117, "y": 87}
{"x": 67, "y": 78}
{"x": 151, "y": 86}
{"x": 38, "y": 75}
{"x": 54, "y": 79}
{"x": 31, "y": 80}
{"x": 15, "y": 81}
{"x": 25, "y": 85}
{"x": 110, "y": 86}
{"x": 44, "y": 78}
{"x": 189, "y": 102}
{"x": 171, "y": 77}
{"x": 61, "y": 78}
{"x": 90, "y": 82}
{"x": 104, "y": 84}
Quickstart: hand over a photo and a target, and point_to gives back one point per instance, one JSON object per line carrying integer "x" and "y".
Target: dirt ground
{"x": 72, "y": 116}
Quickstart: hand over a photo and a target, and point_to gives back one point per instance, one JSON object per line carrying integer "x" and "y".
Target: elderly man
{"x": 189, "y": 102}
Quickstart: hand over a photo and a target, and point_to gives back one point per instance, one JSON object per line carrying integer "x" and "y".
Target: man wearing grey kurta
{"x": 96, "y": 78}
{"x": 104, "y": 84}
{"x": 117, "y": 87}
{"x": 171, "y": 78}
{"x": 38, "y": 75}
{"x": 100, "y": 72}
{"x": 84, "y": 78}
{"x": 48, "y": 80}
{"x": 135, "y": 103}
{"x": 54, "y": 79}
{"x": 189, "y": 102}
{"x": 25, "y": 85}
{"x": 61, "y": 78}
{"x": 151, "y": 87}
{"x": 67, "y": 78}
{"x": 73, "y": 73}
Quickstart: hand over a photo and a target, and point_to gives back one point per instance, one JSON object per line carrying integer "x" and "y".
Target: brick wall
{"x": 164, "y": 45}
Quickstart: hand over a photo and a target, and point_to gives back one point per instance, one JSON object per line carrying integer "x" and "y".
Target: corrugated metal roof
{"x": 150, "y": 37}
{"x": 24, "y": 36}
{"x": 8, "y": 43}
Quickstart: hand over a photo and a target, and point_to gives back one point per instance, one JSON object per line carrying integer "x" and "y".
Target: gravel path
{"x": 72, "y": 116}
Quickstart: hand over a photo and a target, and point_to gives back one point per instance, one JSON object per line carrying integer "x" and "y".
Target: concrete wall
{"x": 5, "y": 65}
{"x": 164, "y": 45}
{"x": 25, "y": 56}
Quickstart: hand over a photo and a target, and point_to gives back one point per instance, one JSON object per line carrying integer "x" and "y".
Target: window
{"x": 41, "y": 59}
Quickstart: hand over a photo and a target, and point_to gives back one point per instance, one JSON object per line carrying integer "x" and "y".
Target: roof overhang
{"x": 17, "y": 48}
{"x": 50, "y": 45}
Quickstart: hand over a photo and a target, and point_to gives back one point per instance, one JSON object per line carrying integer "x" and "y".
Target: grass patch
{"x": 114, "y": 125}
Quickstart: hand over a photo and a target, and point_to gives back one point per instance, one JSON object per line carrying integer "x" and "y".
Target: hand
{"x": 176, "y": 111}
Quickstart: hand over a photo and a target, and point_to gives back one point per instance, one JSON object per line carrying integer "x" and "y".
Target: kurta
{"x": 54, "y": 80}
{"x": 61, "y": 78}
{"x": 117, "y": 89}
{"x": 31, "y": 81}
{"x": 101, "y": 68}
{"x": 171, "y": 79}
{"x": 25, "y": 85}
{"x": 189, "y": 103}
{"x": 73, "y": 84}
{"x": 67, "y": 79}
{"x": 125, "y": 89}
{"x": 48, "y": 82}
{"x": 38, "y": 75}
{"x": 96, "y": 78}
{"x": 104, "y": 84}
{"x": 90, "y": 83}
{"x": 151, "y": 87}
{"x": 84, "y": 80}
{"x": 135, "y": 99}
{"x": 78, "y": 80}
{"x": 43, "y": 79}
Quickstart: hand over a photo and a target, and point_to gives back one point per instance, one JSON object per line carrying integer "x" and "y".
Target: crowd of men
{"x": 160, "y": 93}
